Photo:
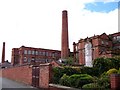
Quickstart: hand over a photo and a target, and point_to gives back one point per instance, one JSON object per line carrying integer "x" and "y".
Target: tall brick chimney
{"x": 3, "y": 53}
{"x": 65, "y": 41}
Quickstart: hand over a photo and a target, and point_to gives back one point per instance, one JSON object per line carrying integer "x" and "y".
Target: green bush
{"x": 112, "y": 71}
{"x": 57, "y": 74}
{"x": 90, "y": 70}
{"x": 70, "y": 71}
{"x": 64, "y": 80}
{"x": 78, "y": 80}
{"x": 101, "y": 83}
{"x": 104, "y": 82}
{"x": 91, "y": 86}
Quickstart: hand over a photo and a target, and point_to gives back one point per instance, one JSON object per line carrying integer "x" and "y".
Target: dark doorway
{"x": 35, "y": 76}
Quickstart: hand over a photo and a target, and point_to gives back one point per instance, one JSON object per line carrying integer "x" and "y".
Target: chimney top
{"x": 64, "y": 12}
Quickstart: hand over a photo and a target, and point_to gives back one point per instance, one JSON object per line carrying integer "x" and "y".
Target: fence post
{"x": 44, "y": 75}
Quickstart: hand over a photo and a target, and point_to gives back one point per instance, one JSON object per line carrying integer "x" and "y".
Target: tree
{"x": 69, "y": 61}
{"x": 104, "y": 64}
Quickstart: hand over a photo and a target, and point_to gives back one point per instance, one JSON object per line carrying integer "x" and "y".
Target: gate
{"x": 35, "y": 76}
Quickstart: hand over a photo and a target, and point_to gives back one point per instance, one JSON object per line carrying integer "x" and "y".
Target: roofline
{"x": 40, "y": 48}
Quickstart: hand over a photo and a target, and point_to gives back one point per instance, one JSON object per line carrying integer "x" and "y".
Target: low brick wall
{"x": 19, "y": 73}
{"x": 24, "y": 74}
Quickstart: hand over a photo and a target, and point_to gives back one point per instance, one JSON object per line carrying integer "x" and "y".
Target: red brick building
{"x": 24, "y": 55}
{"x": 90, "y": 48}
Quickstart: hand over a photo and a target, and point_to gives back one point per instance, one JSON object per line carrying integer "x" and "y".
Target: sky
{"x": 38, "y": 23}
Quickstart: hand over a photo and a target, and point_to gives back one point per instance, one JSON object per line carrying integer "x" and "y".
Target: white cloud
{"x": 37, "y": 23}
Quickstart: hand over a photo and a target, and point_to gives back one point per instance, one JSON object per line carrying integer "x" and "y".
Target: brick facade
{"x": 102, "y": 46}
{"x": 25, "y": 55}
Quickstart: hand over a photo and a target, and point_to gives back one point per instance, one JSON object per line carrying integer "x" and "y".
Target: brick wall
{"x": 115, "y": 81}
{"x": 19, "y": 73}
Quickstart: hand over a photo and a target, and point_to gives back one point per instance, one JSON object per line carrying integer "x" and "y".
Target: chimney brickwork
{"x": 3, "y": 53}
{"x": 65, "y": 41}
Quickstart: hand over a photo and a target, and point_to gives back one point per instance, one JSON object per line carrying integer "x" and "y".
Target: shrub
{"x": 78, "y": 80}
{"x": 64, "y": 80}
{"x": 90, "y": 70}
{"x": 119, "y": 71}
{"x": 91, "y": 86}
{"x": 104, "y": 82}
{"x": 112, "y": 71}
{"x": 70, "y": 71}
{"x": 57, "y": 74}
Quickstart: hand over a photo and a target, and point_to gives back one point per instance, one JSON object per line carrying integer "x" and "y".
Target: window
{"x": 46, "y": 60}
{"x": 33, "y": 52}
{"x": 50, "y": 54}
{"x": 25, "y": 59}
{"x": 39, "y": 52}
{"x": 33, "y": 59}
{"x": 29, "y": 52}
{"x": 29, "y": 60}
{"x": 25, "y": 51}
{"x": 118, "y": 38}
{"x": 56, "y": 54}
{"x": 102, "y": 42}
{"x": 117, "y": 47}
{"x": 36, "y": 52}
{"x": 43, "y": 53}
{"x": 53, "y": 54}
{"x": 114, "y": 38}
{"x": 37, "y": 60}
{"x": 107, "y": 43}
{"x": 46, "y": 53}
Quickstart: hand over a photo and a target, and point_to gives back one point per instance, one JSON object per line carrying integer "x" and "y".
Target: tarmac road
{"x": 7, "y": 84}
